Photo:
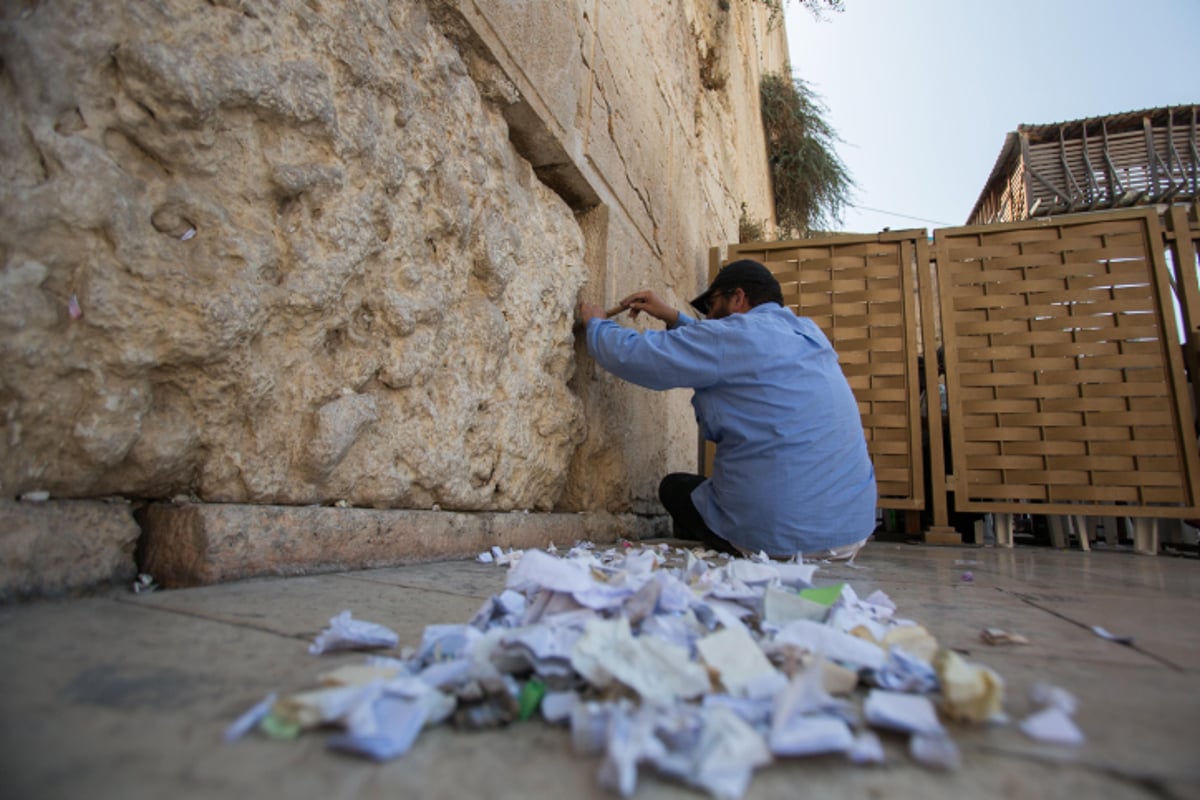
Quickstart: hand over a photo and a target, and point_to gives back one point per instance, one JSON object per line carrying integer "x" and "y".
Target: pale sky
{"x": 923, "y": 91}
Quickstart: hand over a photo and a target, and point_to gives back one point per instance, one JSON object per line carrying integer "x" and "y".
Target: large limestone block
{"x": 194, "y": 544}
{"x": 551, "y": 47}
{"x": 275, "y": 253}
{"x": 60, "y": 546}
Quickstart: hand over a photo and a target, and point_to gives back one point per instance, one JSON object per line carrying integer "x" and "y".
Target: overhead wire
{"x": 905, "y": 216}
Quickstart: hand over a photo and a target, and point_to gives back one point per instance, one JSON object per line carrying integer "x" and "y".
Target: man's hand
{"x": 586, "y": 312}
{"x": 652, "y": 304}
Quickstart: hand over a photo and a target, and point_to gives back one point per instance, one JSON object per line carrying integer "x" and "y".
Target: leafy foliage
{"x": 810, "y": 183}
{"x": 817, "y": 8}
{"x": 750, "y": 230}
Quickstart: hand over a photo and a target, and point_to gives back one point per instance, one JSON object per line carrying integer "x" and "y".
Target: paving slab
{"x": 1030, "y": 567}
{"x": 956, "y": 616}
{"x": 123, "y": 695}
{"x": 536, "y": 761}
{"x": 302, "y": 607}
{"x": 1157, "y": 624}
{"x": 1006, "y": 585}
{"x": 455, "y": 577}
{"x": 102, "y": 697}
{"x": 1139, "y": 721}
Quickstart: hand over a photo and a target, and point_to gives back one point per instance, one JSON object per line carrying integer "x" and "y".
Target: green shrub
{"x": 750, "y": 230}
{"x": 816, "y": 7}
{"x": 810, "y": 183}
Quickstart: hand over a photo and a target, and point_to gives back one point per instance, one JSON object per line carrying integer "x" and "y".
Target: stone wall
{"x": 307, "y": 252}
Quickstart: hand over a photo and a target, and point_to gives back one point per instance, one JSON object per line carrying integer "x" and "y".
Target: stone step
{"x": 196, "y": 544}
{"x": 66, "y": 546}
{"x": 58, "y": 547}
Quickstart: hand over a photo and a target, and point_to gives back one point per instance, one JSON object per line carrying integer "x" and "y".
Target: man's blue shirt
{"x": 791, "y": 473}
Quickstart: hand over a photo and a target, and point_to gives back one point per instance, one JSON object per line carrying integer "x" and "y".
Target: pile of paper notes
{"x": 699, "y": 666}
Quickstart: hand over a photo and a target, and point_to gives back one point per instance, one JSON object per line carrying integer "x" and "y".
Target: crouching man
{"x": 791, "y": 473}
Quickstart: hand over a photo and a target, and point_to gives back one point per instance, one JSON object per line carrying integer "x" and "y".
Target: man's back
{"x": 791, "y": 473}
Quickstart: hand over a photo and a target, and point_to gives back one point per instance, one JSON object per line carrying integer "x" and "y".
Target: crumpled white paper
{"x": 539, "y": 570}
{"x": 711, "y": 748}
{"x": 557, "y": 706}
{"x": 909, "y": 713}
{"x": 935, "y": 750}
{"x": 706, "y": 671}
{"x": 736, "y": 658}
{"x": 781, "y": 606}
{"x": 1104, "y": 633}
{"x": 1046, "y": 695}
{"x": 396, "y": 723}
{"x": 1052, "y": 725}
{"x": 243, "y": 724}
{"x": 811, "y": 735}
{"x": 805, "y": 694}
{"x": 831, "y": 643}
{"x": 658, "y": 671}
{"x": 340, "y": 704}
{"x": 726, "y": 756}
{"x": 866, "y": 749}
{"x": 346, "y": 633}
{"x": 905, "y": 673}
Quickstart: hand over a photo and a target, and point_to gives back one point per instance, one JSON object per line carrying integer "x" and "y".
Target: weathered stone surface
{"x": 263, "y": 210}
{"x": 60, "y": 546}
{"x": 300, "y": 252}
{"x": 678, "y": 155}
{"x": 193, "y": 543}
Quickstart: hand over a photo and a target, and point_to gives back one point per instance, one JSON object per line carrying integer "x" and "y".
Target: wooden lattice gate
{"x": 1068, "y": 387}
{"x": 1064, "y": 365}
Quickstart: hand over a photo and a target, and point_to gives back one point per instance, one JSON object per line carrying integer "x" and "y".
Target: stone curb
{"x": 199, "y": 544}
{"x": 58, "y": 547}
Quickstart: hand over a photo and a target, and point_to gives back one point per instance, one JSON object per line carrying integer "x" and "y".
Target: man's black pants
{"x": 675, "y": 492}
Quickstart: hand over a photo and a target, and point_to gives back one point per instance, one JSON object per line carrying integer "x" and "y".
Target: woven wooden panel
{"x": 1063, "y": 367}
{"x": 1183, "y": 225}
{"x": 861, "y": 291}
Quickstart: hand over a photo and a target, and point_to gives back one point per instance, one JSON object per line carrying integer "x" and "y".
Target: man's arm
{"x": 651, "y": 304}
{"x": 638, "y": 302}
{"x": 685, "y": 356}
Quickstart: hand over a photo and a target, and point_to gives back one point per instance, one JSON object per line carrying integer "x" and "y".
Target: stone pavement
{"x": 127, "y": 695}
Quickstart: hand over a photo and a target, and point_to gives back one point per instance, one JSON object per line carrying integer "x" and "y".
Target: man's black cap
{"x": 738, "y": 273}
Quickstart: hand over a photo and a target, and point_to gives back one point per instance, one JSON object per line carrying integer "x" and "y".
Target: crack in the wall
{"x": 646, "y": 206}
{"x": 652, "y": 239}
